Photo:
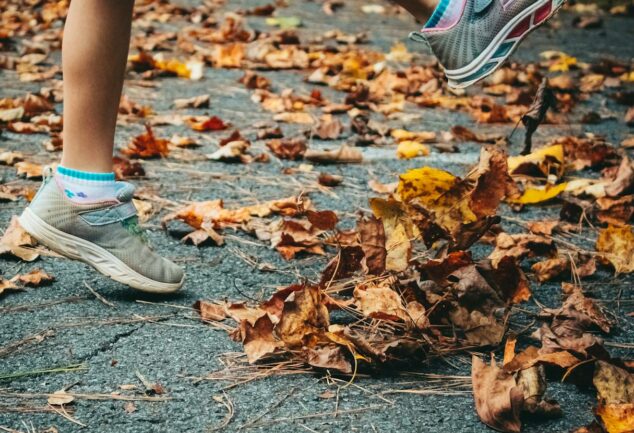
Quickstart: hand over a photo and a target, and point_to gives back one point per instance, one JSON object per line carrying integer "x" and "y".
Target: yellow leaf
{"x": 546, "y": 159}
{"x": 617, "y": 247}
{"x": 399, "y": 53}
{"x": 539, "y": 195}
{"x": 411, "y": 149}
{"x": 404, "y": 135}
{"x": 617, "y": 418}
{"x": 399, "y": 229}
{"x": 425, "y": 183}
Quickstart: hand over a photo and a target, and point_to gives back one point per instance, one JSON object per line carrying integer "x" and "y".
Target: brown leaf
{"x": 322, "y": 220}
{"x": 206, "y": 124}
{"x": 520, "y": 246}
{"x": 304, "y": 316}
{"x": 17, "y": 242}
{"x": 498, "y": 399}
{"x": 330, "y": 180}
{"x": 380, "y": 302}
{"x": 29, "y": 170}
{"x": 209, "y": 311}
{"x": 252, "y": 80}
{"x": 125, "y": 168}
{"x": 60, "y": 398}
{"x": 328, "y": 128}
{"x": 147, "y": 146}
{"x": 34, "y": 278}
{"x": 258, "y": 339}
{"x": 343, "y": 155}
{"x": 344, "y": 265}
{"x": 329, "y": 357}
{"x": 7, "y": 285}
{"x": 372, "y": 239}
{"x": 288, "y": 148}
{"x": 544, "y": 99}
{"x": 200, "y": 101}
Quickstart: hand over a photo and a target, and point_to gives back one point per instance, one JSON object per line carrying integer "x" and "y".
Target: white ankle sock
{"x": 84, "y": 186}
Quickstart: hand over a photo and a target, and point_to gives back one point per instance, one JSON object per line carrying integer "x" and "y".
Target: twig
{"x": 99, "y": 297}
{"x": 226, "y": 402}
{"x": 254, "y": 421}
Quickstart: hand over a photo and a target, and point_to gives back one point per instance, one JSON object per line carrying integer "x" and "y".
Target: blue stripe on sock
{"x": 86, "y": 175}
{"x": 438, "y": 13}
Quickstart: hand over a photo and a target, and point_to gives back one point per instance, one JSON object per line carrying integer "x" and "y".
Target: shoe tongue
{"x": 125, "y": 191}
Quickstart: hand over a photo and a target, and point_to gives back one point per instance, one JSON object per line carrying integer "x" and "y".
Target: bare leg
{"x": 420, "y": 9}
{"x": 95, "y": 49}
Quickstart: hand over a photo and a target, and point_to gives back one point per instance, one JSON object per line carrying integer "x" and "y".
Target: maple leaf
{"x": 147, "y": 145}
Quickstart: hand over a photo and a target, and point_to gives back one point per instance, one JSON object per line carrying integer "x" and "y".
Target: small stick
{"x": 99, "y": 297}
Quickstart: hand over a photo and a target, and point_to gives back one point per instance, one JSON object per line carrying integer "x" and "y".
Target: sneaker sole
{"x": 504, "y": 44}
{"x": 99, "y": 258}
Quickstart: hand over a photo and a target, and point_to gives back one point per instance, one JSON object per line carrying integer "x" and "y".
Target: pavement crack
{"x": 109, "y": 344}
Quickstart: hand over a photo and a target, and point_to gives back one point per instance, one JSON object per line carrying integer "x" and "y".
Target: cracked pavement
{"x": 161, "y": 338}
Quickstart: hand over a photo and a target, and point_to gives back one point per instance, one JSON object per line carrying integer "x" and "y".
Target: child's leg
{"x": 83, "y": 213}
{"x": 420, "y": 9}
{"x": 94, "y": 53}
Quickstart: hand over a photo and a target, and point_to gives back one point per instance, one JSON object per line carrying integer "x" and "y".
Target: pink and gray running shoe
{"x": 472, "y": 38}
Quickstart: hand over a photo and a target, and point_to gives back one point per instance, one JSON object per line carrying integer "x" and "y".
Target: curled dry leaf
{"x": 60, "y": 398}
{"x": 201, "y": 101}
{"x": 288, "y": 148}
{"x": 344, "y": 155}
{"x": 498, "y": 398}
{"x": 206, "y": 124}
{"x": 29, "y": 170}
{"x": 147, "y": 145}
{"x": 210, "y": 311}
{"x": 8, "y": 285}
{"x": 328, "y": 128}
{"x": 34, "y": 278}
{"x": 17, "y": 242}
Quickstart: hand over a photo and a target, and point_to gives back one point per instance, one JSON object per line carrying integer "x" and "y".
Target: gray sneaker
{"x": 472, "y": 38}
{"x": 104, "y": 235}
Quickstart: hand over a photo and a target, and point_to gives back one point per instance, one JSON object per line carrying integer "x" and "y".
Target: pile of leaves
{"x": 406, "y": 284}
{"x": 404, "y": 287}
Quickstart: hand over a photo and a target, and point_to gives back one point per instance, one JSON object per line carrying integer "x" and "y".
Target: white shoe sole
{"x": 456, "y": 77}
{"x": 92, "y": 254}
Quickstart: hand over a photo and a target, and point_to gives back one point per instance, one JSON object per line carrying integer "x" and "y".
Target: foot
{"x": 104, "y": 234}
{"x": 472, "y": 38}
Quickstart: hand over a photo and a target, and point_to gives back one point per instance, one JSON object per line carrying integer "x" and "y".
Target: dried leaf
{"x": 498, "y": 399}
{"x": 544, "y": 99}
{"x": 147, "y": 145}
{"x": 344, "y": 155}
{"x": 17, "y": 242}
{"x": 616, "y": 245}
{"x": 615, "y": 387}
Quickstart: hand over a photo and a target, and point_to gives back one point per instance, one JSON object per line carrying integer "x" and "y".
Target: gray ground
{"x": 173, "y": 349}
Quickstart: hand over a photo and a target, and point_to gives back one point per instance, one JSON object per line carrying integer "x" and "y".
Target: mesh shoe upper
{"x": 459, "y": 45}
{"x": 91, "y": 222}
